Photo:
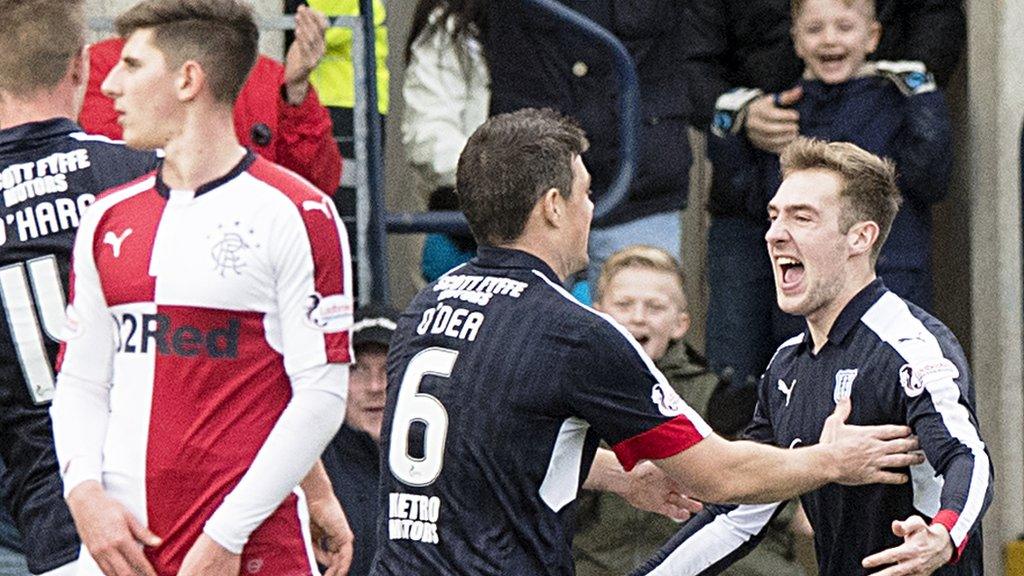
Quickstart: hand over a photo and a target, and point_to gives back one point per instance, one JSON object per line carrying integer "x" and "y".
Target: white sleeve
{"x": 443, "y": 105}
{"x": 80, "y": 408}
{"x": 300, "y": 435}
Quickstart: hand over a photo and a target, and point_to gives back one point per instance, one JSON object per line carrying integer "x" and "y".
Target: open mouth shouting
{"x": 790, "y": 274}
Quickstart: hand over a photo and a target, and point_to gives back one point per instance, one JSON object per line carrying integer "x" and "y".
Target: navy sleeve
{"x": 712, "y": 540}
{"x": 936, "y": 391}
{"x": 616, "y": 388}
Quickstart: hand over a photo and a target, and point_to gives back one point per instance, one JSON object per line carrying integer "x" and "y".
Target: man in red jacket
{"x": 277, "y": 113}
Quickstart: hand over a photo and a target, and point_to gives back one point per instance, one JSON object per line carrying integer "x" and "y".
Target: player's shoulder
{"x": 285, "y": 183}
{"x": 910, "y": 331}
{"x": 786, "y": 350}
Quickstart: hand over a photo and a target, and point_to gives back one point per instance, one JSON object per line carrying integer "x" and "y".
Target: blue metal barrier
{"x": 629, "y": 120}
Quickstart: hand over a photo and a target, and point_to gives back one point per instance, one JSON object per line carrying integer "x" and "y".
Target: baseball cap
{"x": 374, "y": 324}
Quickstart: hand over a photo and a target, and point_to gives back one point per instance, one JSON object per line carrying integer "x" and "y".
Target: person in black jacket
{"x": 740, "y": 44}
{"x": 537, "y": 62}
{"x": 353, "y": 456}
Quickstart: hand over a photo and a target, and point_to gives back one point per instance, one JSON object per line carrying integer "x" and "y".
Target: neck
{"x": 545, "y": 251}
{"x": 15, "y": 111}
{"x": 820, "y": 322}
{"x": 204, "y": 149}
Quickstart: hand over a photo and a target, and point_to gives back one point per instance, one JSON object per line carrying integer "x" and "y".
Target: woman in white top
{"x": 446, "y": 92}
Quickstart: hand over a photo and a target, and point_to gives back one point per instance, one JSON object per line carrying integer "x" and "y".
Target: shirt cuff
{"x": 948, "y": 518}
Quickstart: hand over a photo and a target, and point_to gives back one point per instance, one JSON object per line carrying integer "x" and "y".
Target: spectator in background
{"x": 446, "y": 92}
{"x": 748, "y": 44}
{"x": 352, "y": 459}
{"x": 277, "y": 114}
{"x": 642, "y": 288}
{"x": 535, "y": 61}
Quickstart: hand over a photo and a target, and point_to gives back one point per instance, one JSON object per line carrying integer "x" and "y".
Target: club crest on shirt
{"x": 228, "y": 247}
{"x": 329, "y": 313}
{"x": 915, "y": 377}
{"x": 844, "y": 384}
{"x": 666, "y": 399}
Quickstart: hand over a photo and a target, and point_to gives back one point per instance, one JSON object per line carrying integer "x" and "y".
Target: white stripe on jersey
{"x": 721, "y": 537}
{"x": 892, "y": 321}
{"x": 791, "y": 342}
{"x": 562, "y": 479}
{"x": 688, "y": 412}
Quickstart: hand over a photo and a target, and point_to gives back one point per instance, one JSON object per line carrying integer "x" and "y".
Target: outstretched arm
{"x": 717, "y": 470}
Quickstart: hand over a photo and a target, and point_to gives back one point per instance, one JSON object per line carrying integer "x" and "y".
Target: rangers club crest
{"x": 844, "y": 384}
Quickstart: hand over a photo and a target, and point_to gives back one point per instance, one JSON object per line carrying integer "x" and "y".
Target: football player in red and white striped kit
{"x": 208, "y": 339}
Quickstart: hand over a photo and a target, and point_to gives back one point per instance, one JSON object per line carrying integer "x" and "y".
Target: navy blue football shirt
{"x": 500, "y": 386}
{"x": 50, "y": 172}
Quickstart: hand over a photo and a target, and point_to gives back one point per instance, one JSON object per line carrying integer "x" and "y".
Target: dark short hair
{"x": 508, "y": 164}
{"x": 868, "y": 182}
{"x": 38, "y": 39}
{"x": 221, "y": 35}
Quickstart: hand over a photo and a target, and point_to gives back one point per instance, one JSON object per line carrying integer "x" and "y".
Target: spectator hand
{"x": 332, "y": 536}
{"x": 864, "y": 453}
{"x": 113, "y": 536}
{"x": 925, "y": 548}
{"x": 207, "y": 558}
{"x": 304, "y": 53}
{"x": 649, "y": 488}
{"x": 770, "y": 125}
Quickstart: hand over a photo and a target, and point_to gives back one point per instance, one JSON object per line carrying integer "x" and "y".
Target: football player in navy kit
{"x": 500, "y": 385}
{"x": 896, "y": 362}
{"x": 51, "y": 172}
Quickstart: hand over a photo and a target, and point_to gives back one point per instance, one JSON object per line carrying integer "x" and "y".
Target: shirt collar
{"x": 853, "y": 311}
{"x": 242, "y": 166}
{"x": 20, "y": 136}
{"x": 495, "y": 257}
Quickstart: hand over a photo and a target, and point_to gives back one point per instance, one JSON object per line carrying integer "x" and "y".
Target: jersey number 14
{"x": 20, "y": 303}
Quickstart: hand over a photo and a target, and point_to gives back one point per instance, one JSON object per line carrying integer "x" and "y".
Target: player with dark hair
{"x": 50, "y": 171}
{"x": 500, "y": 385}
{"x": 896, "y": 363}
{"x": 197, "y": 384}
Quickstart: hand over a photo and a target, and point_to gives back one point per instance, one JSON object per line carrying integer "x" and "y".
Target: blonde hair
{"x": 640, "y": 256}
{"x": 867, "y": 182}
{"x": 38, "y": 40}
{"x": 797, "y": 6}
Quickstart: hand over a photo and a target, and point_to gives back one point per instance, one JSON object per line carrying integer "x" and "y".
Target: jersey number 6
{"x": 415, "y": 406}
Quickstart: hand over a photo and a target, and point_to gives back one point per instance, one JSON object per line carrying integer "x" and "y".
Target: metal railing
{"x": 373, "y": 221}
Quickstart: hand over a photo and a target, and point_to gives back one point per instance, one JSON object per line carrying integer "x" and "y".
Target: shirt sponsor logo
{"x": 477, "y": 289}
{"x": 145, "y": 333}
{"x": 665, "y": 398}
{"x": 329, "y": 313}
{"x": 413, "y": 517}
{"x": 915, "y": 377}
{"x": 844, "y": 384}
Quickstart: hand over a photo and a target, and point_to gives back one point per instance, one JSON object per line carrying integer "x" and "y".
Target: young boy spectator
{"x": 891, "y": 109}
{"x": 642, "y": 288}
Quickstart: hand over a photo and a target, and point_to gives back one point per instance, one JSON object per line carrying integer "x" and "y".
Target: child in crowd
{"x": 891, "y": 109}
{"x": 642, "y": 288}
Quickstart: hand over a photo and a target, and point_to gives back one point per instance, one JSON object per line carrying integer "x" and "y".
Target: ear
{"x": 861, "y": 237}
{"x": 874, "y": 36}
{"x": 190, "y": 81}
{"x": 552, "y": 207}
{"x": 681, "y": 326}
